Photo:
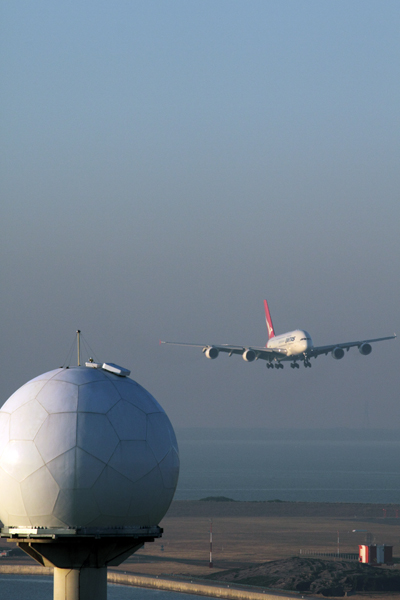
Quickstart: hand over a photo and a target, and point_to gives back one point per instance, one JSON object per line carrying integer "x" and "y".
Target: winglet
{"x": 270, "y": 327}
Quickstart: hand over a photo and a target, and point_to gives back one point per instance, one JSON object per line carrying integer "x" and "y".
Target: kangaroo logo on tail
{"x": 270, "y": 327}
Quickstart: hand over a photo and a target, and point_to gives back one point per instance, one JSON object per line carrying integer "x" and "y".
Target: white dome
{"x": 83, "y": 447}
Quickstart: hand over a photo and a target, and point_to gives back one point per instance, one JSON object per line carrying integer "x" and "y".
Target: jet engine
{"x": 211, "y": 352}
{"x": 249, "y": 355}
{"x": 337, "y": 353}
{"x": 365, "y": 349}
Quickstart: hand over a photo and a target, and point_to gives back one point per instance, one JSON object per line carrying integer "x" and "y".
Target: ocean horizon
{"x": 316, "y": 465}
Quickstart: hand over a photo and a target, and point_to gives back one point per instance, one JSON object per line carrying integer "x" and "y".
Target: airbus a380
{"x": 295, "y": 346}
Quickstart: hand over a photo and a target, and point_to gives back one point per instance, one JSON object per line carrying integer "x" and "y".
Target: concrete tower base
{"x": 80, "y": 557}
{"x": 79, "y": 584}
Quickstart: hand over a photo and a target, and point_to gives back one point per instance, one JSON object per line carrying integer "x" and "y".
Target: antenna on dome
{"x": 78, "y": 340}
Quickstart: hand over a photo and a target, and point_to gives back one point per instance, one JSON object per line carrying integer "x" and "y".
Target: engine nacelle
{"x": 365, "y": 349}
{"x": 212, "y": 352}
{"x": 337, "y": 353}
{"x": 249, "y": 355}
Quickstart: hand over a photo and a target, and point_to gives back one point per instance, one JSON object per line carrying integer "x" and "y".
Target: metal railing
{"x": 338, "y": 555}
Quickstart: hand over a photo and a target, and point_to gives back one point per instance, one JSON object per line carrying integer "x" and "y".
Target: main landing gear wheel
{"x": 294, "y": 365}
{"x": 307, "y": 363}
{"x": 278, "y": 366}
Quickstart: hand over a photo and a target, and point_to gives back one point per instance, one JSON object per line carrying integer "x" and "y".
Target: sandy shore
{"x": 246, "y": 533}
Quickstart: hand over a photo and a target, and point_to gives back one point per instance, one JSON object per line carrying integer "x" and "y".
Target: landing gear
{"x": 271, "y": 365}
{"x": 307, "y": 363}
{"x": 295, "y": 365}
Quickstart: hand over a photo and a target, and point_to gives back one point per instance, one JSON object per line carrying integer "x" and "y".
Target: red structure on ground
{"x": 375, "y": 554}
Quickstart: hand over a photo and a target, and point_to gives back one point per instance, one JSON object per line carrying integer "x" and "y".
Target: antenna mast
{"x": 78, "y": 340}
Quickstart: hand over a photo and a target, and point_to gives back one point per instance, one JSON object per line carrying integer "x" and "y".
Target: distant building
{"x": 374, "y": 554}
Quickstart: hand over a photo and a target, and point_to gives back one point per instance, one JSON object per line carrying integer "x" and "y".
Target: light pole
{"x": 211, "y": 557}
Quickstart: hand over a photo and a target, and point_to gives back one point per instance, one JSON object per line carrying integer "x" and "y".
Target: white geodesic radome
{"x": 83, "y": 447}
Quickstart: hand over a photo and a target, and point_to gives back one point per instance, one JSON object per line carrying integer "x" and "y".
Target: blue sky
{"x": 168, "y": 165}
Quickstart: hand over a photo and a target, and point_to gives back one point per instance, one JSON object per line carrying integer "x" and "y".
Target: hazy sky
{"x": 165, "y": 166}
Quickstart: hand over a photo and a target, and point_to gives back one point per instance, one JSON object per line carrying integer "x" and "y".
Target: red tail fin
{"x": 270, "y": 327}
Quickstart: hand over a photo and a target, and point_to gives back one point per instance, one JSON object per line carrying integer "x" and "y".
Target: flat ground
{"x": 247, "y": 533}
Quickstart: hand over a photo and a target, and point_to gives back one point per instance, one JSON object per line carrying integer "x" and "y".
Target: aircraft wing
{"x": 263, "y": 353}
{"x": 260, "y": 353}
{"x": 317, "y": 350}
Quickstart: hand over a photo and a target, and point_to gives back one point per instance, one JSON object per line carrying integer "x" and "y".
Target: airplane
{"x": 295, "y": 346}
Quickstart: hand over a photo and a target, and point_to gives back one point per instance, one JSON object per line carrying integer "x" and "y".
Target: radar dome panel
{"x": 26, "y": 421}
{"x": 42, "y": 502}
{"x": 170, "y": 469}
{"x": 113, "y": 493}
{"x": 57, "y": 435}
{"x": 137, "y": 395}
{"x": 133, "y": 459}
{"x": 96, "y": 435}
{"x": 88, "y": 469}
{"x": 4, "y": 430}
{"x": 59, "y": 396}
{"x": 63, "y": 469}
{"x": 158, "y": 436}
{"x": 144, "y": 500}
{"x": 44, "y": 376}
{"x": 11, "y": 497}
{"x": 97, "y": 397}
{"x": 79, "y": 375}
{"x": 75, "y": 507}
{"x": 128, "y": 421}
{"x": 20, "y": 459}
{"x": 23, "y": 395}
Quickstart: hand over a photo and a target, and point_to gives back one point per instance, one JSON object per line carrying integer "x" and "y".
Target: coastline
{"x": 244, "y": 534}
{"x": 216, "y": 590}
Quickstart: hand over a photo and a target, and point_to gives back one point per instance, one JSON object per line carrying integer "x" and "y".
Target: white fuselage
{"x": 294, "y": 342}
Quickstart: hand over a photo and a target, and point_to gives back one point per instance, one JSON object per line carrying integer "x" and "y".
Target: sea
{"x": 14, "y": 587}
{"x": 316, "y": 465}
{"x": 259, "y": 465}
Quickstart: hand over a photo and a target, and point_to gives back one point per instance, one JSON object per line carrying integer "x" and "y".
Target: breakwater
{"x": 169, "y": 585}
